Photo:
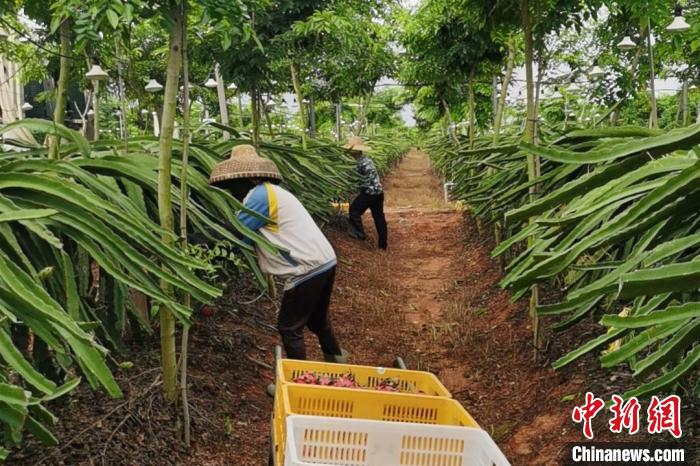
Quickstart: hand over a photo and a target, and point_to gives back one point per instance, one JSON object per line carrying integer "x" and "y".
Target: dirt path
{"x": 434, "y": 299}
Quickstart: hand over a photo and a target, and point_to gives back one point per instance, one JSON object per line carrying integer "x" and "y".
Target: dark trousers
{"x": 374, "y": 202}
{"x": 306, "y": 305}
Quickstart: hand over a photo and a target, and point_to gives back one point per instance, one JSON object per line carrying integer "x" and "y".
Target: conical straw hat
{"x": 356, "y": 143}
{"x": 244, "y": 162}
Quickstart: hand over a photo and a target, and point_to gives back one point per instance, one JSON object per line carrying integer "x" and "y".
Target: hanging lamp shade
{"x": 96, "y": 73}
{"x": 232, "y": 87}
{"x": 90, "y": 112}
{"x": 678, "y": 24}
{"x": 626, "y": 43}
{"x": 211, "y": 83}
{"x": 596, "y": 72}
{"x": 27, "y": 106}
{"x": 153, "y": 86}
{"x": 144, "y": 111}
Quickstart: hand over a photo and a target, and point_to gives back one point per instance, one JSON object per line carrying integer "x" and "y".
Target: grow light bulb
{"x": 96, "y": 73}
{"x": 626, "y": 43}
{"x": 596, "y": 72}
{"x": 211, "y": 83}
{"x": 678, "y": 24}
{"x": 153, "y": 86}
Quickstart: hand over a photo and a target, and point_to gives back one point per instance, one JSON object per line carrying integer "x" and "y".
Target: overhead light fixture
{"x": 678, "y": 24}
{"x": 96, "y": 73}
{"x": 27, "y": 106}
{"x": 626, "y": 43}
{"x": 211, "y": 83}
{"x": 90, "y": 112}
{"x": 596, "y": 72}
{"x": 232, "y": 87}
{"x": 153, "y": 86}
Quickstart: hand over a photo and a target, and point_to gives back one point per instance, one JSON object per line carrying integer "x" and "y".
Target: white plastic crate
{"x": 315, "y": 440}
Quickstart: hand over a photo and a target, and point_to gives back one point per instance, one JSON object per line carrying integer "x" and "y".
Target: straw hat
{"x": 356, "y": 143}
{"x": 244, "y": 163}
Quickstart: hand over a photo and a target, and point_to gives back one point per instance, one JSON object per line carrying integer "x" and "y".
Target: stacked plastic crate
{"x": 418, "y": 424}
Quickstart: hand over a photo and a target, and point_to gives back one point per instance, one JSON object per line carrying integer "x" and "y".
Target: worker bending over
{"x": 370, "y": 195}
{"x": 307, "y": 261}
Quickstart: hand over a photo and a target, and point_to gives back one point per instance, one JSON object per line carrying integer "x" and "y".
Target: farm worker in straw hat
{"x": 370, "y": 196}
{"x": 307, "y": 260}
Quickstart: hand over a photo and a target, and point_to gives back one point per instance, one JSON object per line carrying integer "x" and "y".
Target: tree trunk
{"x": 221, "y": 93}
{"x": 365, "y": 109}
{"x": 294, "y": 67}
{"x": 96, "y": 109}
{"x": 501, "y": 104}
{"x": 165, "y": 207}
{"x": 312, "y": 118}
{"x": 653, "y": 118}
{"x": 240, "y": 109}
{"x": 266, "y": 113}
{"x": 684, "y": 104}
{"x": 338, "y": 123}
{"x": 122, "y": 97}
{"x": 59, "y": 114}
{"x": 184, "y": 200}
{"x": 529, "y": 136}
{"x": 255, "y": 119}
{"x": 448, "y": 119}
{"x": 472, "y": 113}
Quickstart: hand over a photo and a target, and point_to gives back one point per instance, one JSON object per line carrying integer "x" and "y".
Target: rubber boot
{"x": 337, "y": 358}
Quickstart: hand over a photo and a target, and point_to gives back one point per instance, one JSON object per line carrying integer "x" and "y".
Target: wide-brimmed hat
{"x": 356, "y": 143}
{"x": 244, "y": 162}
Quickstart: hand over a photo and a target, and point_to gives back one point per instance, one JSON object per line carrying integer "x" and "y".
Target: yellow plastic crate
{"x": 362, "y": 404}
{"x": 342, "y": 207}
{"x": 417, "y": 382}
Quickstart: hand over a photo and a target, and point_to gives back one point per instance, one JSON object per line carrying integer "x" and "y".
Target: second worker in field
{"x": 370, "y": 195}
